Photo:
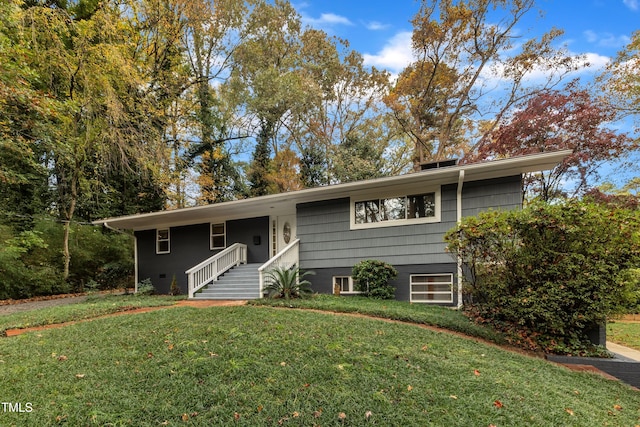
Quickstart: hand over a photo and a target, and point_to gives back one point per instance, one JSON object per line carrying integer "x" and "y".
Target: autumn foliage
{"x": 549, "y": 273}
{"x": 552, "y": 121}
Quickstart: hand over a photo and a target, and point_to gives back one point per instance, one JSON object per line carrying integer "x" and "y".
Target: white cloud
{"x": 606, "y": 39}
{"x": 327, "y": 19}
{"x": 376, "y": 26}
{"x": 396, "y": 54}
{"x": 632, "y": 4}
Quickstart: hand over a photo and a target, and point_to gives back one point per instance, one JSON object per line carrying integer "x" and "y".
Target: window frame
{"x": 212, "y": 235}
{"x": 406, "y": 194}
{"x": 351, "y": 291}
{"x": 450, "y": 283}
{"x": 167, "y": 239}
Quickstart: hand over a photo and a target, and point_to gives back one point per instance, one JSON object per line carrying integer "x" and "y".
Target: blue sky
{"x": 381, "y": 31}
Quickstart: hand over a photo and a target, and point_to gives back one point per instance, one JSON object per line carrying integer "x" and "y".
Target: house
{"x": 224, "y": 250}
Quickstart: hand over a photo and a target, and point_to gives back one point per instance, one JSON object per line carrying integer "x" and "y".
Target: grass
{"x": 624, "y": 333}
{"x": 442, "y": 317}
{"x": 259, "y": 366}
{"x": 94, "y": 306}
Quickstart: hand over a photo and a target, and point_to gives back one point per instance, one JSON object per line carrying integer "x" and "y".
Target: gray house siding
{"x": 326, "y": 240}
{"x": 500, "y": 194}
{"x": 189, "y": 245}
{"x": 331, "y": 248}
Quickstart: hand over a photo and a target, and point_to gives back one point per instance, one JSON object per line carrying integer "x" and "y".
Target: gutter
{"x": 458, "y": 221}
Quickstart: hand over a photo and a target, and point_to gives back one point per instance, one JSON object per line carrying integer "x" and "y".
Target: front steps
{"x": 241, "y": 282}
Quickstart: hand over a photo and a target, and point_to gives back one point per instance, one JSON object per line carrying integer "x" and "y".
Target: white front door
{"x": 285, "y": 231}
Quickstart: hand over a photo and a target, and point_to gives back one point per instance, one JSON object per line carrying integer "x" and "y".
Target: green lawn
{"x": 94, "y": 306}
{"x": 264, "y": 366}
{"x": 624, "y": 333}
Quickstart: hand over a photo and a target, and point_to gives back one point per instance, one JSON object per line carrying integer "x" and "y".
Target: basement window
{"x": 432, "y": 288}
{"x": 346, "y": 284}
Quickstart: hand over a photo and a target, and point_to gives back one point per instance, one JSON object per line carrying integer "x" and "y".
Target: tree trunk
{"x": 67, "y": 228}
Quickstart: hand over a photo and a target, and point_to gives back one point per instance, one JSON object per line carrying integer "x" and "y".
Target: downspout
{"x": 135, "y": 253}
{"x": 459, "y": 220}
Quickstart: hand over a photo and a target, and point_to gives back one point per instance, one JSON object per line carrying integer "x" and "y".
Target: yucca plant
{"x": 288, "y": 283}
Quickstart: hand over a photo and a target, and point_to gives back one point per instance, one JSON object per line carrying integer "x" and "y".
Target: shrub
{"x": 549, "y": 273}
{"x": 372, "y": 278}
{"x": 174, "y": 289}
{"x": 287, "y": 283}
{"x": 145, "y": 287}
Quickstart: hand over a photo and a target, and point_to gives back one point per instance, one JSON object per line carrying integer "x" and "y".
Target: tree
{"x": 103, "y": 123}
{"x": 462, "y": 48}
{"x": 554, "y": 120}
{"x": 621, "y": 81}
{"x": 345, "y": 104}
{"x": 26, "y": 115}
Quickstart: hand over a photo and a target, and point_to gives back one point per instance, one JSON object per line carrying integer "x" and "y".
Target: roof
{"x": 283, "y": 203}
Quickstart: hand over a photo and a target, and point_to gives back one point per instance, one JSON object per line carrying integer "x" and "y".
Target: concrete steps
{"x": 239, "y": 283}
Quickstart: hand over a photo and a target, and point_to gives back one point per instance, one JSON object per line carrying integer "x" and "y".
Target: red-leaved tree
{"x": 558, "y": 120}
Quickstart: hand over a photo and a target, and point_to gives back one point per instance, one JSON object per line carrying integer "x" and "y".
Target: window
{"x": 346, "y": 284}
{"x": 432, "y": 288}
{"x": 163, "y": 241}
{"x": 380, "y": 212}
{"x": 218, "y": 236}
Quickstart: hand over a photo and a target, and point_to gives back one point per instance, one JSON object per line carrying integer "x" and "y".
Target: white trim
{"x": 135, "y": 262}
{"x": 458, "y": 220}
{"x": 450, "y": 293}
{"x": 409, "y": 191}
{"x": 224, "y": 224}
{"x": 168, "y": 240}
{"x": 276, "y": 204}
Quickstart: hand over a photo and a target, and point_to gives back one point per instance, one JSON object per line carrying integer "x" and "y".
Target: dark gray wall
{"x": 322, "y": 281}
{"x": 190, "y": 246}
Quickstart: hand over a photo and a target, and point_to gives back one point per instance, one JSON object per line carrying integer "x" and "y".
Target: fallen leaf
{"x": 185, "y": 417}
{"x": 498, "y": 404}
{"x": 342, "y": 416}
{"x": 617, "y": 407}
{"x": 454, "y": 397}
{"x": 409, "y": 388}
{"x": 316, "y": 414}
{"x": 569, "y": 411}
{"x": 283, "y": 363}
{"x": 368, "y": 414}
{"x": 62, "y": 358}
{"x": 296, "y": 414}
{"x": 476, "y": 372}
{"x": 260, "y": 408}
{"x": 424, "y": 348}
{"x": 79, "y": 376}
{"x": 170, "y": 347}
{"x": 236, "y": 416}
{"x": 149, "y": 355}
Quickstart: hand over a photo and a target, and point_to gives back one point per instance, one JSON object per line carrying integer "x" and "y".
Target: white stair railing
{"x": 210, "y": 269}
{"x": 286, "y": 258}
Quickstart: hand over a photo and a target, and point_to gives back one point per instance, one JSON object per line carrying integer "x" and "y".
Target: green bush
{"x": 549, "y": 273}
{"x": 372, "y": 278}
{"x": 288, "y": 283}
{"x": 145, "y": 287}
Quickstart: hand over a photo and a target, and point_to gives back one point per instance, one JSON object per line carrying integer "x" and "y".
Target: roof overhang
{"x": 284, "y": 203}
